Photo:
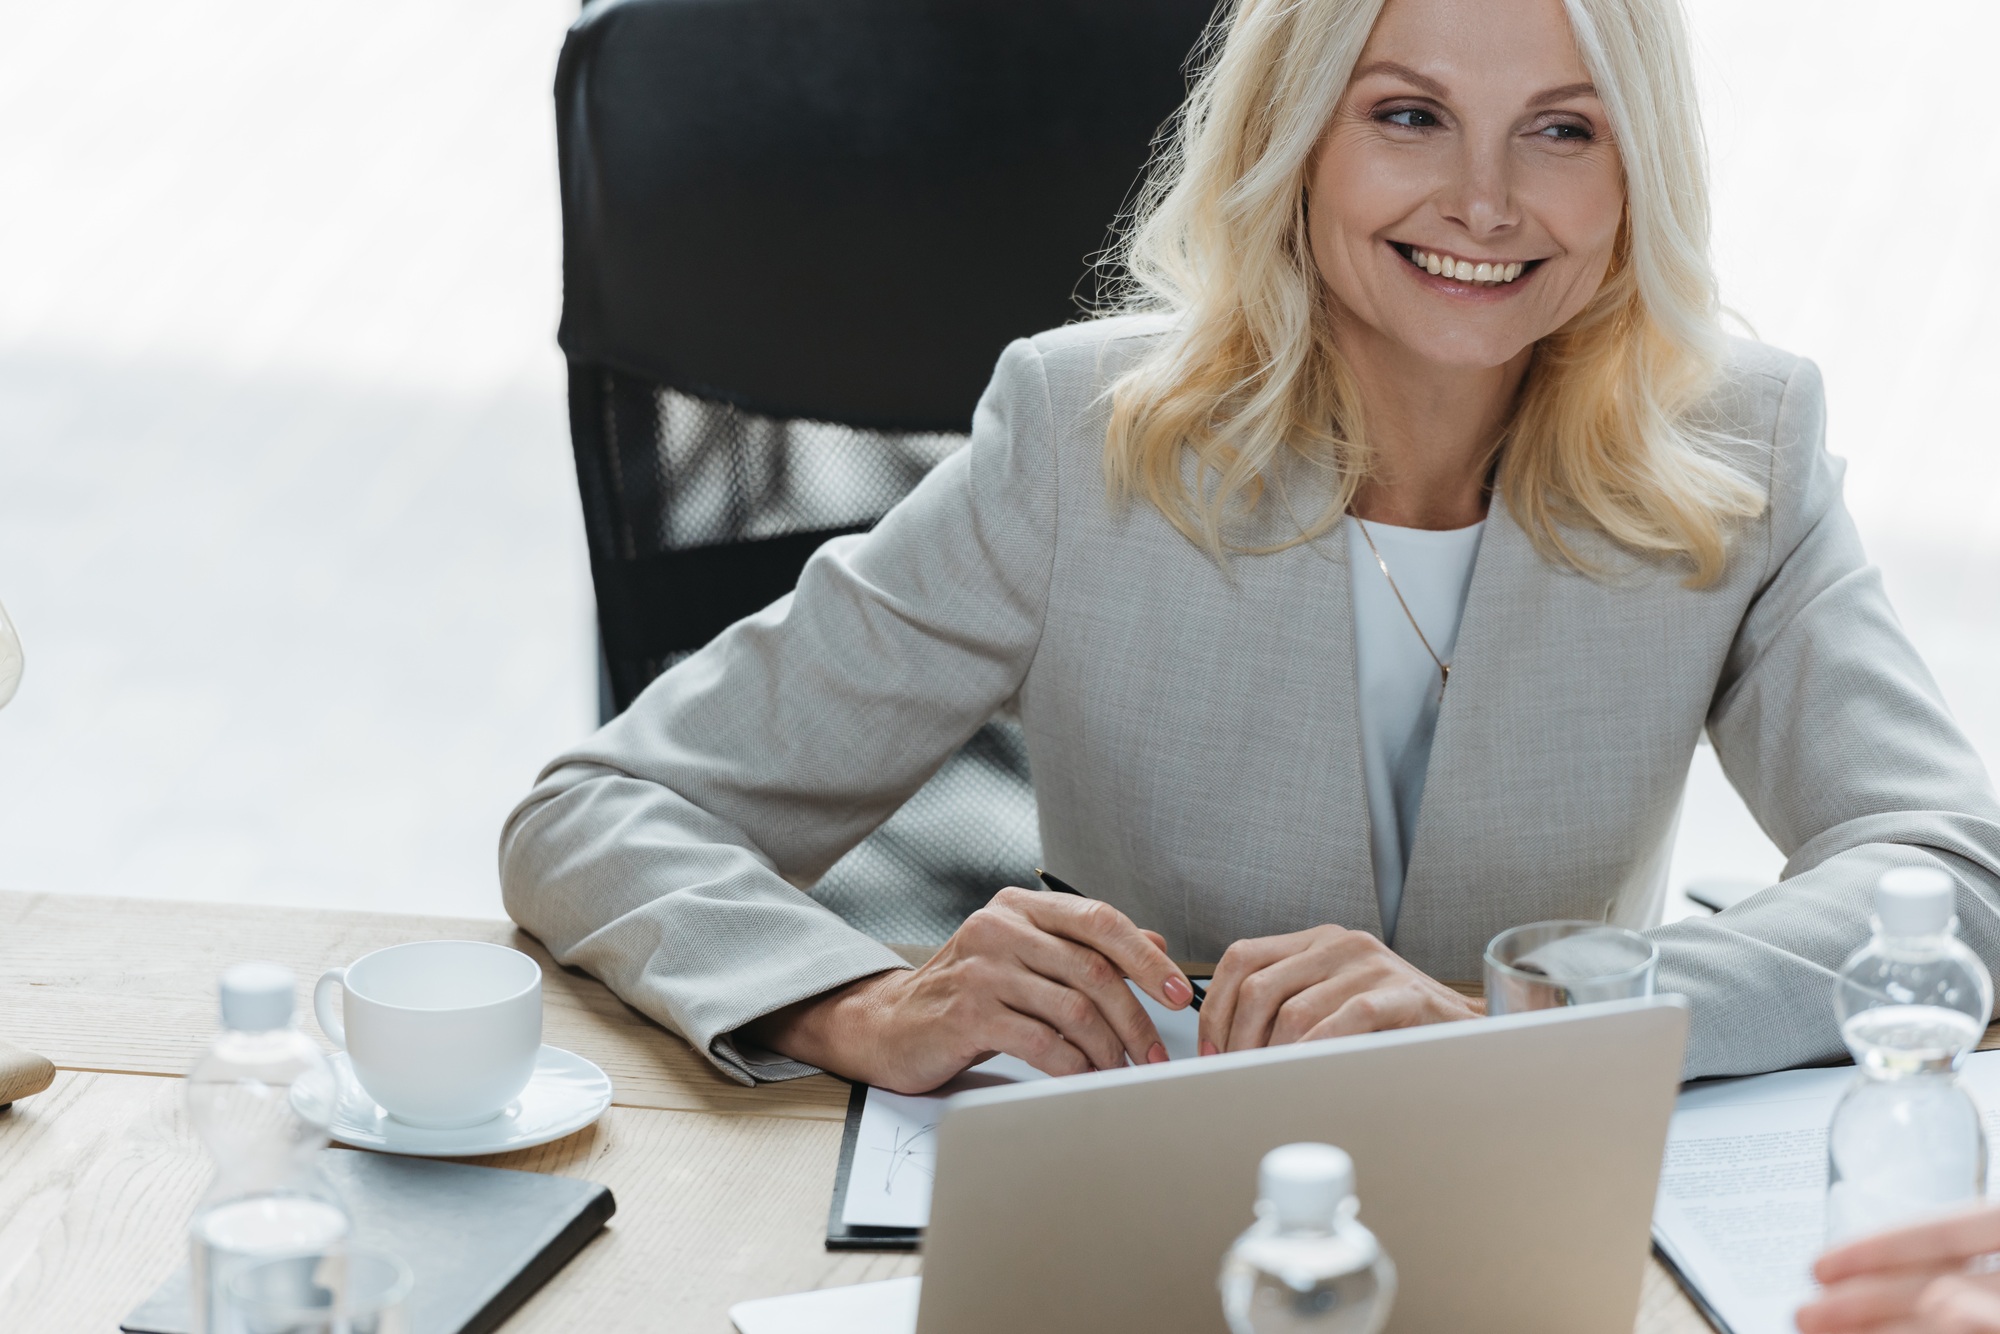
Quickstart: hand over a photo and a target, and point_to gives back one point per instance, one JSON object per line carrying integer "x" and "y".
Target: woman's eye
{"x": 1565, "y": 132}
{"x": 1414, "y": 118}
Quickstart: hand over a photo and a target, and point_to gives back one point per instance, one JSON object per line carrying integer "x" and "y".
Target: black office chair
{"x": 796, "y": 236}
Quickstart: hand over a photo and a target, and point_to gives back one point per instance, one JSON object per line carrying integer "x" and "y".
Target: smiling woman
{"x": 1486, "y": 188}
{"x": 1433, "y": 272}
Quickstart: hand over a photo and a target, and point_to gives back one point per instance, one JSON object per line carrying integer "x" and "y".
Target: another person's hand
{"x": 1034, "y": 975}
{"x": 1322, "y": 983}
{"x": 1910, "y": 1281}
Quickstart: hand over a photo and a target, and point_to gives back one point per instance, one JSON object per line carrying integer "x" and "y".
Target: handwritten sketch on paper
{"x": 912, "y": 1150}
{"x": 895, "y": 1156}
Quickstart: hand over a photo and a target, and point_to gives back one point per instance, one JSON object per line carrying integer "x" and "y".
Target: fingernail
{"x": 1177, "y": 989}
{"x": 1208, "y": 1048}
{"x": 1155, "y": 1054}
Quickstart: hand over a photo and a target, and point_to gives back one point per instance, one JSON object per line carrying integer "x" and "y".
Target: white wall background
{"x": 287, "y": 517}
{"x": 1855, "y": 184}
{"x": 286, "y": 510}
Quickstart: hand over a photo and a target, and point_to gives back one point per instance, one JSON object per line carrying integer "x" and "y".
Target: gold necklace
{"x": 1444, "y": 668}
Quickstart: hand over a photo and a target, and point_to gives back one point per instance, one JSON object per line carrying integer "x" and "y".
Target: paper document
{"x": 1742, "y": 1205}
{"x": 895, "y": 1156}
{"x": 888, "y": 1307}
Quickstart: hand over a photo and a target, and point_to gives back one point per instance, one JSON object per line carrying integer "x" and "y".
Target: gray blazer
{"x": 1192, "y": 734}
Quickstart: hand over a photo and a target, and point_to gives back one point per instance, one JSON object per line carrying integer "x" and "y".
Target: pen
{"x": 1061, "y": 886}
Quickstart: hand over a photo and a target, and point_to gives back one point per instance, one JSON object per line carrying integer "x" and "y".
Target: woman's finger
{"x": 1265, "y": 992}
{"x": 1346, "y": 963}
{"x": 1003, "y": 944}
{"x": 1373, "y": 1011}
{"x": 1028, "y": 1038}
{"x": 1942, "y": 1243}
{"x": 1239, "y": 961}
{"x": 1100, "y": 927}
{"x": 1864, "y": 1303}
{"x": 1100, "y": 979}
{"x": 1081, "y": 994}
{"x": 1305, "y": 1011}
{"x": 1960, "y": 1304}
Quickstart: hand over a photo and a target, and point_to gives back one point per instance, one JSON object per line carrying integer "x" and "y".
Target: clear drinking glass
{"x": 378, "y": 1288}
{"x": 309, "y": 1294}
{"x": 1546, "y": 965}
{"x": 290, "y": 1294}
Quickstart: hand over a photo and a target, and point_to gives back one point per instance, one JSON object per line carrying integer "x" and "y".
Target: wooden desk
{"x": 722, "y": 1190}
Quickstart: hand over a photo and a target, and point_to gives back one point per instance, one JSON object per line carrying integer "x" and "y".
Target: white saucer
{"x": 565, "y": 1094}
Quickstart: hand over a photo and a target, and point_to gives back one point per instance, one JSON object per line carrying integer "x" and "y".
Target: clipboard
{"x": 1688, "y": 1286}
{"x": 840, "y": 1236}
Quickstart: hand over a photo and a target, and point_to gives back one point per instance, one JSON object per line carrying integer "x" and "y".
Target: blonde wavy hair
{"x": 1605, "y": 433}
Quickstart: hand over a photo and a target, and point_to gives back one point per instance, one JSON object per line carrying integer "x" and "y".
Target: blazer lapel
{"x": 1489, "y": 663}
{"x": 1357, "y": 904}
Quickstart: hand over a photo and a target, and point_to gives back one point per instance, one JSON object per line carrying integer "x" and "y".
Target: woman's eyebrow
{"x": 1563, "y": 94}
{"x": 1404, "y": 72}
{"x": 1437, "y": 90}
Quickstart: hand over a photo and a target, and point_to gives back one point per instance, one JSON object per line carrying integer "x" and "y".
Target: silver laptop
{"x": 1508, "y": 1166}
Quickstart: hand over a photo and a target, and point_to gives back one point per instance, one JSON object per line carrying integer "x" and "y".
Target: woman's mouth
{"x": 1476, "y": 272}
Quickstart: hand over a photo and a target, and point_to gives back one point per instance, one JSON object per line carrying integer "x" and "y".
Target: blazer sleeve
{"x": 1835, "y": 735}
{"x": 664, "y": 855}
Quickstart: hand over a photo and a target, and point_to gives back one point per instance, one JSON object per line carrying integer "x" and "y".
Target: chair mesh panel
{"x": 701, "y": 513}
{"x": 965, "y": 834}
{"x": 727, "y": 475}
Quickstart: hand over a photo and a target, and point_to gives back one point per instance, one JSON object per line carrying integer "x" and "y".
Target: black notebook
{"x": 844, "y": 1236}
{"x": 479, "y": 1240}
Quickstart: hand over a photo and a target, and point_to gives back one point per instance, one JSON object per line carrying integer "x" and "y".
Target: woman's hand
{"x": 1034, "y": 975}
{"x": 1321, "y": 983}
{"x": 1910, "y": 1281}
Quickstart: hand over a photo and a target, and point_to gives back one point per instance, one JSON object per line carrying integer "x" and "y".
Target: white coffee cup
{"x": 441, "y": 1033}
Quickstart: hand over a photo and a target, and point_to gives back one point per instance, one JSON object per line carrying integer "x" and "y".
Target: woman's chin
{"x": 1455, "y": 349}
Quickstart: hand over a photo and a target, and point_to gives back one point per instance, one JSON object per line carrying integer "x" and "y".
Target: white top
{"x": 1398, "y": 681}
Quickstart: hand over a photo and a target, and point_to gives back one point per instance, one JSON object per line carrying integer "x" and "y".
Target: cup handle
{"x": 329, "y": 1024}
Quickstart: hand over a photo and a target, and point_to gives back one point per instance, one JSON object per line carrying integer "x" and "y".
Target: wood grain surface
{"x": 99, "y": 1175}
{"x": 722, "y": 1190}
{"x": 128, "y": 985}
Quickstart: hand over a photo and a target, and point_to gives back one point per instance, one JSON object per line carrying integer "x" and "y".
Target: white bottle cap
{"x": 1914, "y": 901}
{"x": 1305, "y": 1184}
{"x": 257, "y": 997}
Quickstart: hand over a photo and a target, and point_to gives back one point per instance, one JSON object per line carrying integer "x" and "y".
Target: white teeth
{"x": 1466, "y": 271}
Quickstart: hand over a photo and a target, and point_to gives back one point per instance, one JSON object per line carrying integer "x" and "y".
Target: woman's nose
{"x": 1480, "y": 195}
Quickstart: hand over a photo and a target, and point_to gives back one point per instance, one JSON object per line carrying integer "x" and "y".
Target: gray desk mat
{"x": 479, "y": 1240}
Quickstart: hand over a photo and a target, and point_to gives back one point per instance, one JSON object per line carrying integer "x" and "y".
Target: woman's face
{"x": 1466, "y": 196}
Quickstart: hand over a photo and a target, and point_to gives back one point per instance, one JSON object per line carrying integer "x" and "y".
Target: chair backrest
{"x": 796, "y": 236}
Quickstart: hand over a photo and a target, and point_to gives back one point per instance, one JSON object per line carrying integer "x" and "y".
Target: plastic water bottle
{"x": 261, "y": 1099}
{"x": 1307, "y": 1264}
{"x": 1906, "y": 1139}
